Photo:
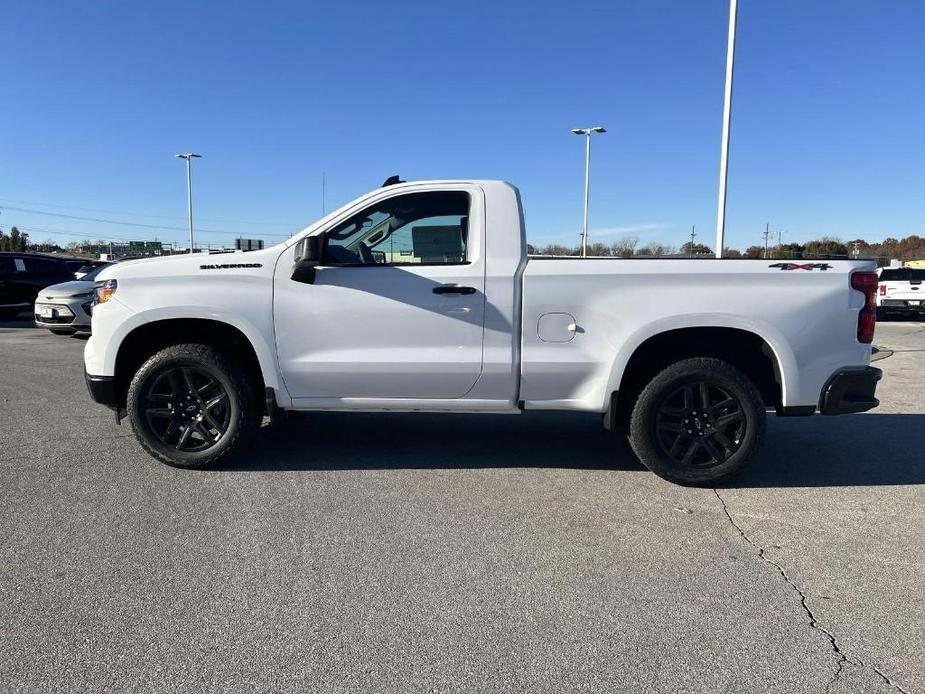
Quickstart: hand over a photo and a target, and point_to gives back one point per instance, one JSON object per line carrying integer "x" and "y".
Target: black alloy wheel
{"x": 192, "y": 405}
{"x": 697, "y": 422}
{"x": 700, "y": 424}
{"x": 187, "y": 408}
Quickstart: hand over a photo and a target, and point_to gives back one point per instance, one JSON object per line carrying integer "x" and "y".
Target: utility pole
{"x": 189, "y": 156}
{"x": 766, "y": 235}
{"x": 724, "y": 146}
{"x": 587, "y": 133}
{"x": 693, "y": 234}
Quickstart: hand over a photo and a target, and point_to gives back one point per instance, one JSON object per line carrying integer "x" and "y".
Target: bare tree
{"x": 598, "y": 249}
{"x": 625, "y": 247}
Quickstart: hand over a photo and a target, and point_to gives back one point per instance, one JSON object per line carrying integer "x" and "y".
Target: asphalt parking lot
{"x": 388, "y": 553}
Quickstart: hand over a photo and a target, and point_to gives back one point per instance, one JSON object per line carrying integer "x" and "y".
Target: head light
{"x": 103, "y": 291}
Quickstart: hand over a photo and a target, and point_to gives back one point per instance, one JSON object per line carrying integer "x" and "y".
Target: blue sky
{"x": 828, "y": 130}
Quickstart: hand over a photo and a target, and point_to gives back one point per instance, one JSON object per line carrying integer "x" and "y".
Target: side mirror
{"x": 307, "y": 256}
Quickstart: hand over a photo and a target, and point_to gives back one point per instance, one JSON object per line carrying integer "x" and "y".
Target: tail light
{"x": 866, "y": 283}
{"x": 882, "y": 290}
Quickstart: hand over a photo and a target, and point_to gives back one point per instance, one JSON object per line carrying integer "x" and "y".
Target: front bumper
{"x": 71, "y": 314}
{"x": 102, "y": 389}
{"x": 850, "y": 390}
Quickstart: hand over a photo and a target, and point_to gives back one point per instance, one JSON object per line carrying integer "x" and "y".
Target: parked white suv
{"x": 900, "y": 291}
{"x": 420, "y": 297}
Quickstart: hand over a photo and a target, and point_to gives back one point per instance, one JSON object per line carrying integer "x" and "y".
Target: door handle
{"x": 453, "y": 289}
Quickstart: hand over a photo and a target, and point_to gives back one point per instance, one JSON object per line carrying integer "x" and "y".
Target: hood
{"x": 186, "y": 263}
{"x": 66, "y": 289}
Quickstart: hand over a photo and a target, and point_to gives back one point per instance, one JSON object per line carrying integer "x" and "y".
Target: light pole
{"x": 587, "y": 133}
{"x": 189, "y": 156}
{"x": 724, "y": 147}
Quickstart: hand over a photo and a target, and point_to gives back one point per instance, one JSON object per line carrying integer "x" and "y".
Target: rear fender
{"x": 786, "y": 361}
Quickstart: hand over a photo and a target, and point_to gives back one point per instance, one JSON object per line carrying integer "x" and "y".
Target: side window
{"x": 417, "y": 228}
{"x": 7, "y": 267}
{"x": 40, "y": 266}
{"x": 20, "y": 264}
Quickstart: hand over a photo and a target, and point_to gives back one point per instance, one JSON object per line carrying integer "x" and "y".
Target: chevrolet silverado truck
{"x": 421, "y": 297}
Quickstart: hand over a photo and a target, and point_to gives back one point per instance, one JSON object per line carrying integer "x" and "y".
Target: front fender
{"x": 113, "y": 324}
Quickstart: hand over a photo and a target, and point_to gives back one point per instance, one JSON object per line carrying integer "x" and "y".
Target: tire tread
{"x": 246, "y": 420}
{"x": 649, "y": 451}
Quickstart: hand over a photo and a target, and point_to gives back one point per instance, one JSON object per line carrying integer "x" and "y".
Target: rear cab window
{"x": 902, "y": 274}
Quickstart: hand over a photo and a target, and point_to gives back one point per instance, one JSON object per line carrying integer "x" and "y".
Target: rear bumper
{"x": 102, "y": 389}
{"x": 850, "y": 390}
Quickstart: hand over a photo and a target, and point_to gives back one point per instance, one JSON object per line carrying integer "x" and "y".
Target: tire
{"x": 673, "y": 438}
{"x": 190, "y": 406}
{"x": 60, "y": 331}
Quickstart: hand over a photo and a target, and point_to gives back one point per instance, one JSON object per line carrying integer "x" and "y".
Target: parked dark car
{"x": 22, "y": 275}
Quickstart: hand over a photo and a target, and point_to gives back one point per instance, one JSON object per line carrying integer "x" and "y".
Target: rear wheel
{"x": 190, "y": 406}
{"x": 698, "y": 422}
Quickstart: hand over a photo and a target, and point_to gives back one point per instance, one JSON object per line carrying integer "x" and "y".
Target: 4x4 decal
{"x": 802, "y": 266}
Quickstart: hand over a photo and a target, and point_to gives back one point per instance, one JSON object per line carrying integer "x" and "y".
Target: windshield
{"x": 90, "y": 276}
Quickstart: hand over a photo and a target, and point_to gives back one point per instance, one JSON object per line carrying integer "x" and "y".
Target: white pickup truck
{"x": 420, "y": 297}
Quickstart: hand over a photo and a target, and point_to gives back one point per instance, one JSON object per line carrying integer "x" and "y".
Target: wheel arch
{"x": 148, "y": 338}
{"x": 762, "y": 355}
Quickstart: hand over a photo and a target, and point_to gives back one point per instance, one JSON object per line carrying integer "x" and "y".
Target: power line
{"x": 92, "y": 239}
{"x": 101, "y": 220}
{"x": 144, "y": 214}
{"x": 82, "y": 236}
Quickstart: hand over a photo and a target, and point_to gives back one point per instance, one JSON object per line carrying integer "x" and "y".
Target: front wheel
{"x": 698, "y": 422}
{"x": 190, "y": 406}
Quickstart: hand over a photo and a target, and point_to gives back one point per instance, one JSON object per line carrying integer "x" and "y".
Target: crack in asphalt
{"x": 841, "y": 656}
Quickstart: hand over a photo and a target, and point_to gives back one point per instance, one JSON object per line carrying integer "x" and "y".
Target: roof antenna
{"x": 392, "y": 180}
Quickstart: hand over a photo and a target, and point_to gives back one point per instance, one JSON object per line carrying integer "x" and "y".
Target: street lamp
{"x": 724, "y": 146}
{"x": 189, "y": 156}
{"x": 587, "y": 133}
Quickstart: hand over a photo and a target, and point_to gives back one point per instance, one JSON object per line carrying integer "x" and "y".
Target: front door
{"x": 397, "y": 306}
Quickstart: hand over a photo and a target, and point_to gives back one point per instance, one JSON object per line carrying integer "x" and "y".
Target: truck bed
{"x": 584, "y": 317}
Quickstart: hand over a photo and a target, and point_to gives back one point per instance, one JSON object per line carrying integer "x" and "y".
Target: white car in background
{"x": 65, "y": 308}
{"x": 900, "y": 291}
